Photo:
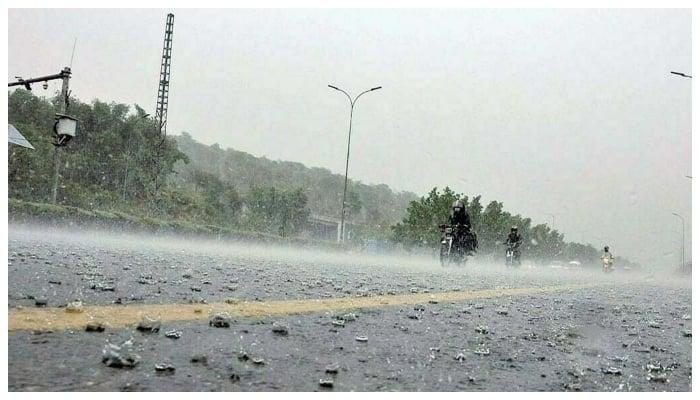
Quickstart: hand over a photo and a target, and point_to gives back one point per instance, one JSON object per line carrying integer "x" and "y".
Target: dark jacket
{"x": 460, "y": 218}
{"x": 514, "y": 238}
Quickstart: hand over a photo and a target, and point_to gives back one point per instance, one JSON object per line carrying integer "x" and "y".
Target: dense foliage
{"x": 109, "y": 161}
{"x": 420, "y": 229}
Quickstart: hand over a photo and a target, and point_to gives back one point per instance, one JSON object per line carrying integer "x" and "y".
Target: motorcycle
{"x": 455, "y": 249}
{"x": 608, "y": 263}
{"x": 511, "y": 258}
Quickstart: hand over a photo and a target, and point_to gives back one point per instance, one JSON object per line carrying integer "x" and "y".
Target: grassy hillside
{"x": 369, "y": 204}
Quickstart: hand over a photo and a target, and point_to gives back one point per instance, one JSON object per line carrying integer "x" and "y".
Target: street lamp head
{"x": 375, "y": 88}
{"x": 333, "y": 87}
{"x": 681, "y": 74}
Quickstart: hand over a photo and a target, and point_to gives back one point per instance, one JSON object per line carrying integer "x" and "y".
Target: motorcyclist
{"x": 607, "y": 258}
{"x": 459, "y": 215}
{"x": 515, "y": 240}
{"x": 459, "y": 218}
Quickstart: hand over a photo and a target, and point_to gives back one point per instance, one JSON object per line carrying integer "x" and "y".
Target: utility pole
{"x": 62, "y": 107}
{"x": 60, "y": 140}
{"x": 341, "y": 231}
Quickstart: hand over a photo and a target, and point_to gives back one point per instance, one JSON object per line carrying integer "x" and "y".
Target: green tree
{"x": 491, "y": 224}
{"x": 420, "y": 226}
{"x": 232, "y": 204}
{"x": 105, "y": 165}
{"x": 293, "y": 213}
{"x": 282, "y": 212}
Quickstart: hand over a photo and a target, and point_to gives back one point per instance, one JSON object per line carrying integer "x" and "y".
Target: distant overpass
{"x": 327, "y": 228}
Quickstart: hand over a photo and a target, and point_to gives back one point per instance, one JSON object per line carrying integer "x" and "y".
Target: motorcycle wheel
{"x": 444, "y": 254}
{"x": 462, "y": 260}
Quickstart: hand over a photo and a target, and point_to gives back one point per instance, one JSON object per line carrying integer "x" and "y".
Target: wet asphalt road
{"x": 628, "y": 333}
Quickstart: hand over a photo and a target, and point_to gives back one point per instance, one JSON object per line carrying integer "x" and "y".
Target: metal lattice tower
{"x": 161, "y": 117}
{"x": 164, "y": 85}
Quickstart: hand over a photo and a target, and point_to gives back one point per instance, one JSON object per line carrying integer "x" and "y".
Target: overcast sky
{"x": 564, "y": 112}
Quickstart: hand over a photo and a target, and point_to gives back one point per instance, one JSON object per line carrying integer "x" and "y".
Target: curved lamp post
{"x": 682, "y": 239}
{"x": 341, "y": 234}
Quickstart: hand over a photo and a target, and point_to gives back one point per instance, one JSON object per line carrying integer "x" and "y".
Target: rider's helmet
{"x": 457, "y": 207}
{"x": 606, "y": 249}
{"x": 514, "y": 229}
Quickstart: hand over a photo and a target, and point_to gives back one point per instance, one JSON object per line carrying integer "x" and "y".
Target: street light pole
{"x": 341, "y": 232}
{"x": 682, "y": 240}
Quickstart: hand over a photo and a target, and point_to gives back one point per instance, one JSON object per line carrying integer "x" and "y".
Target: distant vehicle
{"x": 453, "y": 249}
{"x": 608, "y": 263}
{"x": 511, "y": 260}
{"x": 575, "y": 263}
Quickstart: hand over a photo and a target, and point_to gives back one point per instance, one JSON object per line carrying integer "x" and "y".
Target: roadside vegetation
{"x": 108, "y": 174}
{"x": 541, "y": 244}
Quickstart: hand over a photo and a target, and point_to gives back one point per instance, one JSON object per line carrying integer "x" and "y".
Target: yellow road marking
{"x": 117, "y": 316}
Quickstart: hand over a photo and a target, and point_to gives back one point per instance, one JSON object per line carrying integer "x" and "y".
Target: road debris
{"x": 173, "y": 334}
{"x": 199, "y": 359}
{"x": 657, "y": 378}
{"x": 148, "y": 325}
{"x": 164, "y": 367}
{"x": 75, "y": 307}
{"x": 280, "y": 329}
{"x": 483, "y": 329}
{"x": 119, "y": 356}
{"x": 332, "y": 368}
{"x": 94, "y": 326}
{"x": 220, "y": 320}
{"x": 612, "y": 371}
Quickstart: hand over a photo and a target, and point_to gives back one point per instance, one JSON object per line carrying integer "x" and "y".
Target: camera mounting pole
{"x": 60, "y": 140}
{"x": 27, "y": 82}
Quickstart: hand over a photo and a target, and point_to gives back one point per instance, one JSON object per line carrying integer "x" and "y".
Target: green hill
{"x": 368, "y": 204}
